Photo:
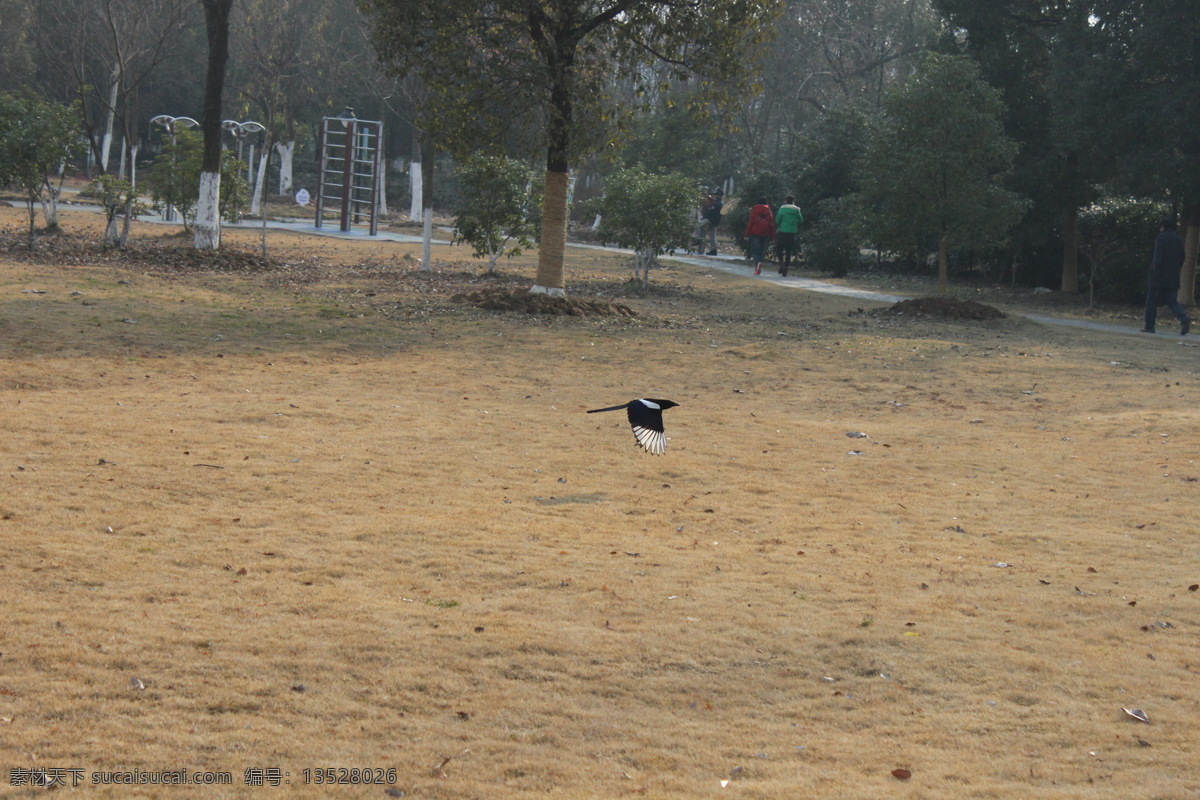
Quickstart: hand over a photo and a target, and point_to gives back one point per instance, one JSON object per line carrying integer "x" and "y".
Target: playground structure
{"x": 349, "y": 165}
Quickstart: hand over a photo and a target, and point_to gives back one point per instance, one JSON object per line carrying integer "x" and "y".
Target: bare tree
{"x": 101, "y": 53}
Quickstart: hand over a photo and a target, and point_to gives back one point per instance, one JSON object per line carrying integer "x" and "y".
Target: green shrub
{"x": 829, "y": 245}
{"x": 175, "y": 178}
{"x": 649, "y": 213}
{"x": 500, "y": 208}
{"x": 1115, "y": 239}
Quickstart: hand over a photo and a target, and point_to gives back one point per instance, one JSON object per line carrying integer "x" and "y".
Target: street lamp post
{"x": 171, "y": 124}
{"x": 240, "y": 131}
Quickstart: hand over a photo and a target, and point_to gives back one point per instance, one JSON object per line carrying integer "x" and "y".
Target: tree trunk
{"x": 381, "y": 208}
{"x": 106, "y": 147}
{"x": 1191, "y": 244}
{"x": 286, "y": 151}
{"x": 50, "y": 204}
{"x": 1070, "y": 270}
{"x": 126, "y": 224}
{"x": 111, "y": 235}
{"x": 427, "y": 206}
{"x": 207, "y": 227}
{"x": 553, "y": 248}
{"x": 30, "y": 202}
{"x": 260, "y": 183}
{"x": 208, "y": 209}
{"x": 943, "y": 262}
{"x": 414, "y": 180}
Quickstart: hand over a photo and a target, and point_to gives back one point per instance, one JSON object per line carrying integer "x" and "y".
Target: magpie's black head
{"x": 664, "y": 404}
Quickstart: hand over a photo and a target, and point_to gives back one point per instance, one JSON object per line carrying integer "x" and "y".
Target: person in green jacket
{"x": 787, "y": 224}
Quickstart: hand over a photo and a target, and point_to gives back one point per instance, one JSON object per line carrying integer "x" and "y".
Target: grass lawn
{"x": 313, "y": 512}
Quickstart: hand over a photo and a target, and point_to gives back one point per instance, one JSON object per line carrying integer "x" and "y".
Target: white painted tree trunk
{"x": 260, "y": 184}
{"x": 381, "y": 204}
{"x": 414, "y": 184}
{"x": 50, "y": 205}
{"x": 286, "y": 151}
{"x": 208, "y": 212}
{"x": 427, "y": 240}
{"x": 106, "y": 145}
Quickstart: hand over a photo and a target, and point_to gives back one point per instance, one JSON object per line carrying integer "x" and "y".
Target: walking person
{"x": 787, "y": 226}
{"x": 760, "y": 230}
{"x": 1163, "y": 284}
{"x": 712, "y": 218}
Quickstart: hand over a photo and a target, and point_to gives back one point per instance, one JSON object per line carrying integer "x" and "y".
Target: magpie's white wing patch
{"x": 654, "y": 442}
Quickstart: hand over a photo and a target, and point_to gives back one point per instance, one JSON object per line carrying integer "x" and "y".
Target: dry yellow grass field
{"x": 308, "y": 518}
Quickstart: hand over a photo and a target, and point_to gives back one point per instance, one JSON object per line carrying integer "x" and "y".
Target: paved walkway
{"x": 738, "y": 266}
{"x": 296, "y": 226}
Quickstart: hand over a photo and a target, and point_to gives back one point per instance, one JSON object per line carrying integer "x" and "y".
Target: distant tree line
{"x": 1062, "y": 128}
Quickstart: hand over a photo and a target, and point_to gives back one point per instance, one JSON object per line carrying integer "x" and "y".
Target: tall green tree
{"x": 557, "y": 59}
{"x": 1035, "y": 53}
{"x": 1148, "y": 105}
{"x": 934, "y": 167}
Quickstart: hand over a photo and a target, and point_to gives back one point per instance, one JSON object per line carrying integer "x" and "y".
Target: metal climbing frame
{"x": 349, "y": 164}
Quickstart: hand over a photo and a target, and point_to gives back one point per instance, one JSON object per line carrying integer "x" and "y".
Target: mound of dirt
{"x": 524, "y": 301}
{"x": 946, "y": 308}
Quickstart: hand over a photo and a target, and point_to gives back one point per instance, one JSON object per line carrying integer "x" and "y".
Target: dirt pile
{"x": 945, "y": 308}
{"x": 527, "y": 303}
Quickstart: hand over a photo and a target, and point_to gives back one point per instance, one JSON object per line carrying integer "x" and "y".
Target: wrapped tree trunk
{"x": 552, "y": 253}
{"x": 553, "y": 249}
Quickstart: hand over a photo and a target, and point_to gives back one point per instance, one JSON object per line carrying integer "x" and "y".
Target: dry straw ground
{"x": 328, "y": 518}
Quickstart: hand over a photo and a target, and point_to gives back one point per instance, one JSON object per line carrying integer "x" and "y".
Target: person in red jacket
{"x": 760, "y": 230}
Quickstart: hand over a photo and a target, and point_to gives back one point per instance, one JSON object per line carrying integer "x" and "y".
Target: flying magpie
{"x": 646, "y": 418}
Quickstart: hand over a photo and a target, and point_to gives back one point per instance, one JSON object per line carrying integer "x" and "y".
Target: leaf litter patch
{"x": 946, "y": 308}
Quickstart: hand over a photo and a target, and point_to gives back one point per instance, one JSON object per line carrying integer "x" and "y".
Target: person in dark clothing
{"x": 712, "y": 218}
{"x": 1163, "y": 285}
